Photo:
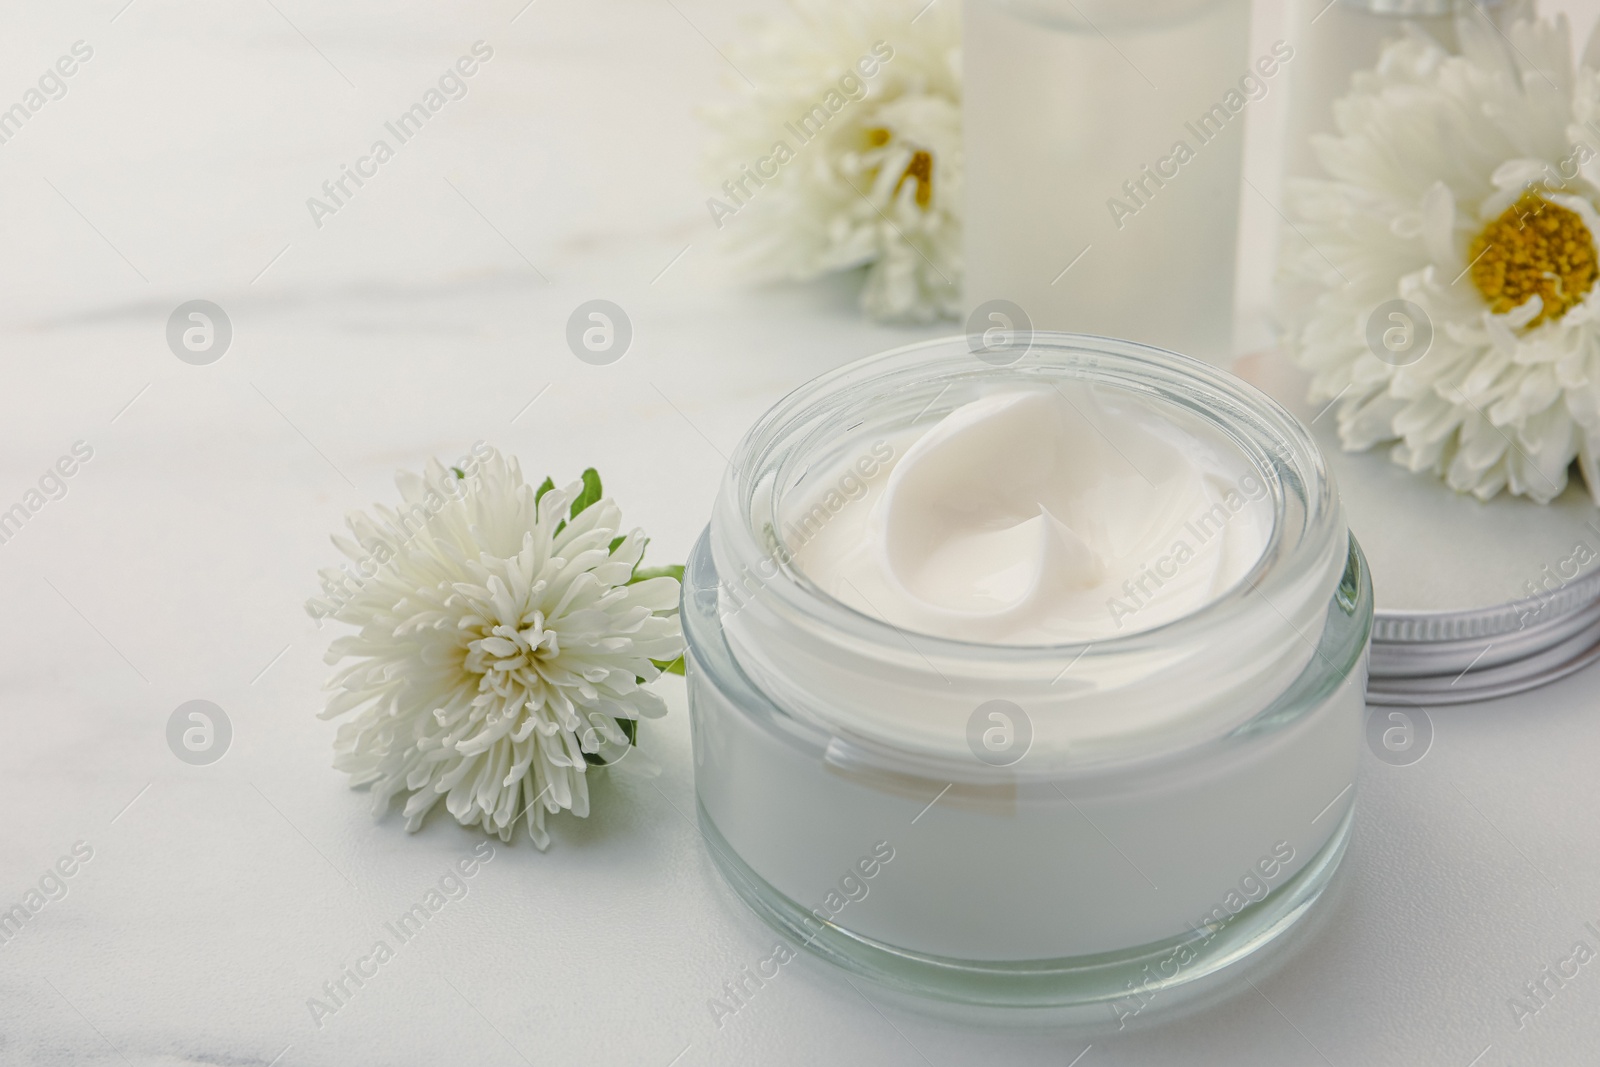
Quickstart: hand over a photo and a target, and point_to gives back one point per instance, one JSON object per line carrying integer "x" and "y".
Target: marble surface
{"x": 215, "y": 901}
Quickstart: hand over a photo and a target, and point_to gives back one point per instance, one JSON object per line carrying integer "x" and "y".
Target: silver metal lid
{"x": 1421, "y": 659}
{"x": 1557, "y": 661}
{"x": 1519, "y": 619}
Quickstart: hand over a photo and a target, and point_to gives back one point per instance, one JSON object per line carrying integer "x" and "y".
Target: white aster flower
{"x": 506, "y": 637}
{"x": 1465, "y": 184}
{"x": 847, "y": 153}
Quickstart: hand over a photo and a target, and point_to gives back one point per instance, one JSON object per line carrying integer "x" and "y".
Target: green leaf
{"x": 643, "y": 574}
{"x": 544, "y": 487}
{"x": 669, "y": 667}
{"x": 460, "y": 474}
{"x": 615, "y": 541}
{"x": 591, "y": 492}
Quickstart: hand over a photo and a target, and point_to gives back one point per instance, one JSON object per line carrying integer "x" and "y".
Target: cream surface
{"x": 1037, "y": 516}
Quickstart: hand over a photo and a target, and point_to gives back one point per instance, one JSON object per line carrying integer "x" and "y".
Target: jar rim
{"x": 1306, "y": 516}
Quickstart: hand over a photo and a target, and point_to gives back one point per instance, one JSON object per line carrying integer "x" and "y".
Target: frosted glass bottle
{"x": 1103, "y": 144}
{"x": 1340, "y": 38}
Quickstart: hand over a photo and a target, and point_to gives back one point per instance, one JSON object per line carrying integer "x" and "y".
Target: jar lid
{"x": 1538, "y": 667}
{"x": 1449, "y": 567}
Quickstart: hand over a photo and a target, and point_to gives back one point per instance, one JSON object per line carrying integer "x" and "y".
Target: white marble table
{"x": 427, "y": 313}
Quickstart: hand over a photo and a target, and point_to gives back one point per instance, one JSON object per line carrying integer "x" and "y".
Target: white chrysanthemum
{"x": 822, "y": 167}
{"x": 500, "y": 643}
{"x": 1465, "y": 184}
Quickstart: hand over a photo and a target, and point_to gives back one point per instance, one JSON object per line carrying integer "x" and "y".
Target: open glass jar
{"x": 1088, "y": 828}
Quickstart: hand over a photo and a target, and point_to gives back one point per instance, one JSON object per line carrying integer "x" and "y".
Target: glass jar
{"x": 1087, "y": 829}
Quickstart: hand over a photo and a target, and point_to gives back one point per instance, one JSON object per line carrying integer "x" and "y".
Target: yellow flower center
{"x": 1534, "y": 247}
{"x": 919, "y": 169}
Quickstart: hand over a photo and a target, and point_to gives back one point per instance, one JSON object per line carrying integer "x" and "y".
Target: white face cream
{"x": 1074, "y": 647}
{"x": 1039, "y": 517}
